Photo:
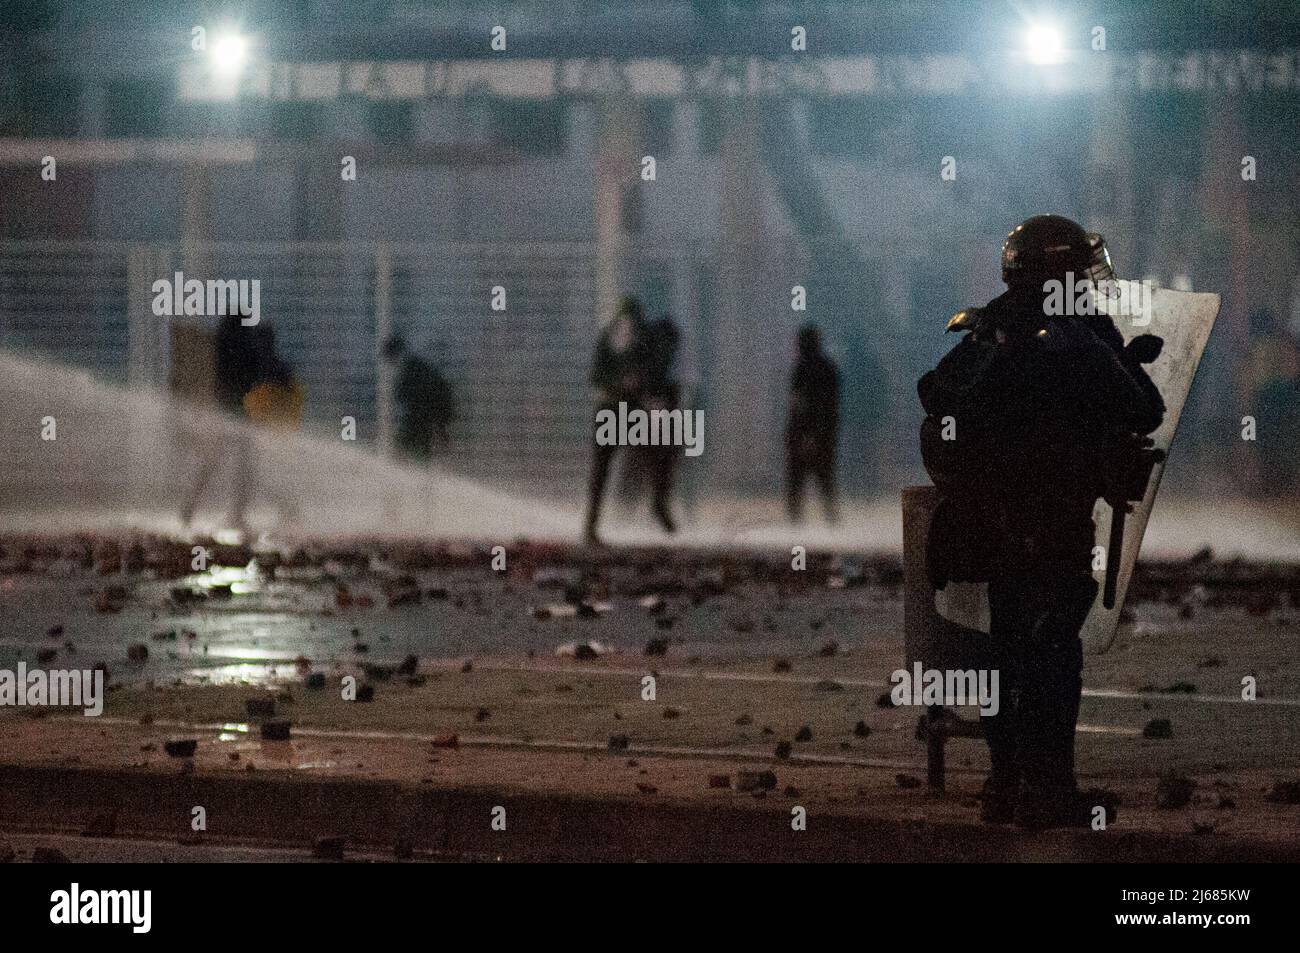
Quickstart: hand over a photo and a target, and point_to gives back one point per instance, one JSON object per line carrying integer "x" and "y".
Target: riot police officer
{"x": 1031, "y": 418}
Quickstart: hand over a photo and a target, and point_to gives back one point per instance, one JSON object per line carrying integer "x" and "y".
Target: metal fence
{"x": 519, "y": 375}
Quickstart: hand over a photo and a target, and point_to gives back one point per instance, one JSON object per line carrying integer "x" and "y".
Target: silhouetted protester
{"x": 660, "y": 390}
{"x": 813, "y": 425}
{"x": 1029, "y": 420}
{"x": 617, "y": 374}
{"x": 863, "y": 408}
{"x": 235, "y": 359}
{"x": 275, "y": 402}
{"x": 426, "y": 405}
{"x": 1271, "y": 372}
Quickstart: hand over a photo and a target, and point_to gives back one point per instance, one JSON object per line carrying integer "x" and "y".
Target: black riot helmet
{"x": 1045, "y": 247}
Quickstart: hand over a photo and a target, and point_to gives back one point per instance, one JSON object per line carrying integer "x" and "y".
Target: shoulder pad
{"x": 964, "y": 320}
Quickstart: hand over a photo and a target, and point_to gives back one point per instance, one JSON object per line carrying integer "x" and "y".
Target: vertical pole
{"x": 743, "y": 447}
{"x": 918, "y": 617}
{"x": 139, "y": 327}
{"x": 616, "y": 174}
{"x": 383, "y": 331}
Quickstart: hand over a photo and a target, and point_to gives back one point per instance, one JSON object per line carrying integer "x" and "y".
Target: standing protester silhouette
{"x": 661, "y": 391}
{"x": 617, "y": 375}
{"x": 425, "y": 403}
{"x": 235, "y": 373}
{"x": 1031, "y": 418}
{"x": 813, "y": 425}
{"x": 274, "y": 402}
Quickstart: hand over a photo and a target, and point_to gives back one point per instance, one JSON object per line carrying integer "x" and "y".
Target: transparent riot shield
{"x": 1183, "y": 320}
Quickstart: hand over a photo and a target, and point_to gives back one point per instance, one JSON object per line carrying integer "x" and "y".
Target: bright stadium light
{"x": 1043, "y": 44}
{"x": 229, "y": 53}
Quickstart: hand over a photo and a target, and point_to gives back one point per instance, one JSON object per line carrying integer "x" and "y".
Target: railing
{"x": 519, "y": 375}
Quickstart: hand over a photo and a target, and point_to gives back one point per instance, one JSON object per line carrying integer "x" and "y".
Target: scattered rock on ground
{"x": 278, "y": 730}
{"x": 259, "y": 706}
{"x": 1174, "y": 791}
{"x": 1158, "y": 728}
{"x": 747, "y": 781}
{"x": 1285, "y": 792}
{"x": 181, "y": 747}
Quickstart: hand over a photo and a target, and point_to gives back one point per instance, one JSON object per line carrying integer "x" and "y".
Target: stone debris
{"x": 181, "y": 747}
{"x": 446, "y": 740}
{"x": 907, "y": 781}
{"x": 137, "y": 652}
{"x": 1174, "y": 791}
{"x": 278, "y": 730}
{"x": 1285, "y": 792}
{"x": 260, "y": 706}
{"x": 582, "y": 651}
{"x": 804, "y": 734}
{"x": 653, "y": 604}
{"x": 1158, "y": 728}
{"x": 111, "y": 599}
{"x": 749, "y": 781}
{"x": 656, "y": 647}
{"x": 861, "y": 729}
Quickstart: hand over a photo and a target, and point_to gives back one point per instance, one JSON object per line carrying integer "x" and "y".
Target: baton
{"x": 1118, "y": 512}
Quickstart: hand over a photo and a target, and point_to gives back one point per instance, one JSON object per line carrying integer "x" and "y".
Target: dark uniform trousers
{"x": 1035, "y": 622}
